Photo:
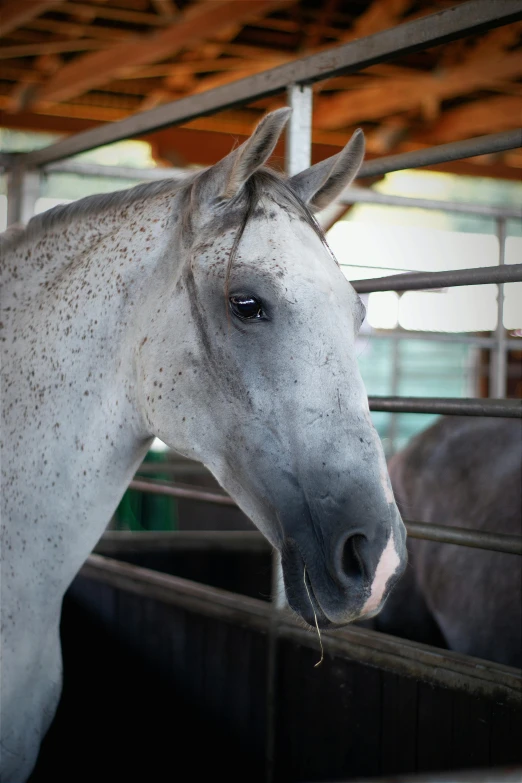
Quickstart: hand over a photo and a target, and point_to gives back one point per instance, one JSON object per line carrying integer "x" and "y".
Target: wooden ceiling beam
{"x": 166, "y": 8}
{"x": 17, "y": 14}
{"x": 50, "y": 47}
{"x": 194, "y": 25}
{"x": 78, "y": 29}
{"x": 488, "y": 115}
{"x": 394, "y": 96}
{"x": 140, "y": 18}
{"x": 214, "y": 65}
{"x": 380, "y": 15}
{"x": 248, "y": 51}
{"x": 320, "y": 27}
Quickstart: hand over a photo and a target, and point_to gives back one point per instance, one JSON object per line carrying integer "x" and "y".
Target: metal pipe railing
{"x": 441, "y": 533}
{"x": 478, "y": 539}
{"x": 415, "y": 281}
{"x": 514, "y": 343}
{"x": 357, "y": 195}
{"x": 455, "y": 150}
{"x": 183, "y": 493}
{"x": 441, "y": 27}
{"x": 352, "y": 195}
{"x": 116, "y": 172}
{"x": 448, "y": 406}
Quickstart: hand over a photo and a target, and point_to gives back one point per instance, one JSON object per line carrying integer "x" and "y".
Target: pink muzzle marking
{"x": 386, "y": 567}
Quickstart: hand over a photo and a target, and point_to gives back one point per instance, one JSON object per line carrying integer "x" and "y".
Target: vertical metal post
{"x": 298, "y": 155}
{"x": 23, "y": 189}
{"x": 498, "y": 360}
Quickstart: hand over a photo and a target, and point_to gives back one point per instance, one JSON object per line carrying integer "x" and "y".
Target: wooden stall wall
{"x": 153, "y": 692}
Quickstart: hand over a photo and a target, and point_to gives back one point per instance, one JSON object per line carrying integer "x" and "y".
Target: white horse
{"x": 209, "y": 313}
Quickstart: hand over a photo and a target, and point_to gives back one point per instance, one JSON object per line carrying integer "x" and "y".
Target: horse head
{"x": 249, "y": 365}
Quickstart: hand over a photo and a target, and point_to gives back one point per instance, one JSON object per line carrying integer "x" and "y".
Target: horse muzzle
{"x": 353, "y": 583}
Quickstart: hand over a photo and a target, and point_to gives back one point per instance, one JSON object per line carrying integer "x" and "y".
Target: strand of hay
{"x": 315, "y": 618}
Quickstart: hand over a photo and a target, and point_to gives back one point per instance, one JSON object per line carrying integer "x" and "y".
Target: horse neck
{"x": 82, "y": 403}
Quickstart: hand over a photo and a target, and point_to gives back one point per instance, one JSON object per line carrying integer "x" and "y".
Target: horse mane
{"x": 264, "y": 183}
{"x": 85, "y": 207}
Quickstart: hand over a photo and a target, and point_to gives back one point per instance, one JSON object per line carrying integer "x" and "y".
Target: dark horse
{"x": 463, "y": 472}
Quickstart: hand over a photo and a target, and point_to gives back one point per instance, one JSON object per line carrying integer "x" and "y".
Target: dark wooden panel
{"x": 434, "y": 728}
{"x": 328, "y": 719}
{"x": 471, "y": 732}
{"x": 506, "y": 731}
{"x": 399, "y": 724}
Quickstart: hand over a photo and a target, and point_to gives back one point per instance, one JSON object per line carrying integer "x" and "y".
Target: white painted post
{"x": 23, "y": 189}
{"x": 498, "y": 361}
{"x": 299, "y": 131}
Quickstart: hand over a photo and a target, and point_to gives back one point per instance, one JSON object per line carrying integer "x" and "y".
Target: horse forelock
{"x": 264, "y": 192}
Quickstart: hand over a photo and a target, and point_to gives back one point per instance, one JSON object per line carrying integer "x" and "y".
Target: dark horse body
{"x": 463, "y": 472}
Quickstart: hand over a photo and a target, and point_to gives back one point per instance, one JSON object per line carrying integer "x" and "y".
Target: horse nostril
{"x": 351, "y": 561}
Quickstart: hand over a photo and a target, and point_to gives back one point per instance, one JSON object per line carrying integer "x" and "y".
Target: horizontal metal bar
{"x": 512, "y": 343}
{"x": 116, "y": 172}
{"x": 455, "y": 150}
{"x": 170, "y": 490}
{"x": 442, "y": 667}
{"x": 478, "y": 539}
{"x": 414, "y": 281}
{"x": 115, "y": 542}
{"x": 441, "y": 27}
{"x": 509, "y": 774}
{"x": 448, "y": 406}
{"x": 202, "y": 540}
{"x": 354, "y": 195}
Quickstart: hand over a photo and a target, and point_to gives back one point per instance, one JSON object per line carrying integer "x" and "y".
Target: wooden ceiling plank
{"x": 248, "y": 51}
{"x": 47, "y": 63}
{"x": 49, "y": 47}
{"x": 166, "y": 8}
{"x": 248, "y": 69}
{"x": 393, "y": 96}
{"x": 318, "y": 29}
{"x": 16, "y": 14}
{"x": 489, "y": 115}
{"x": 116, "y": 14}
{"x": 95, "y": 70}
{"x": 380, "y": 15}
{"x": 506, "y": 88}
{"x": 75, "y": 29}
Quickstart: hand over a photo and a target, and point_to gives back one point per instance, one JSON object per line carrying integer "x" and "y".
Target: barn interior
{"x": 68, "y": 66}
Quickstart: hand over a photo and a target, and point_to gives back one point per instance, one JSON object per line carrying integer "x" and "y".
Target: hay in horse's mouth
{"x": 308, "y": 588}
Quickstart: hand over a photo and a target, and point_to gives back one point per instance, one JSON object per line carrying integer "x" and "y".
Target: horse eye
{"x": 246, "y": 307}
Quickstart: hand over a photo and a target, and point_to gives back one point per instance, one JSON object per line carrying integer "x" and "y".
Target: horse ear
{"x": 319, "y": 185}
{"x": 242, "y": 162}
